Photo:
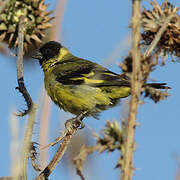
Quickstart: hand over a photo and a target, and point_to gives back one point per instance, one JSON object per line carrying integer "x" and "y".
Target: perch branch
{"x": 57, "y": 157}
{"x": 71, "y": 129}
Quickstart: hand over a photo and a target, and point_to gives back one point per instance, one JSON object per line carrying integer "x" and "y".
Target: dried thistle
{"x": 155, "y": 94}
{"x": 36, "y": 20}
{"x": 81, "y": 157}
{"x": 152, "y": 21}
{"x": 113, "y": 138}
{"x": 126, "y": 65}
{"x": 147, "y": 66}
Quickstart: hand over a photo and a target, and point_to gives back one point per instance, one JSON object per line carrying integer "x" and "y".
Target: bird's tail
{"x": 157, "y": 85}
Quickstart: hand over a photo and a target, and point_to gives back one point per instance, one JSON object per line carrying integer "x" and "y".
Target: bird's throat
{"x": 48, "y": 65}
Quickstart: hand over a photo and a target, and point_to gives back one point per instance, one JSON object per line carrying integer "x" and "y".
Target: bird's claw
{"x": 75, "y": 123}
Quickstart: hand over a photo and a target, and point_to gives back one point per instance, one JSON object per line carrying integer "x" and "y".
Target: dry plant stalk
{"x": 31, "y": 106}
{"x": 127, "y": 169}
{"x": 111, "y": 139}
{"x": 71, "y": 129}
{"x": 58, "y": 156}
{"x": 142, "y": 65}
{"x": 21, "y": 86}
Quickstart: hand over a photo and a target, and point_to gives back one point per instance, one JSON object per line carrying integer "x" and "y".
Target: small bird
{"x": 79, "y": 86}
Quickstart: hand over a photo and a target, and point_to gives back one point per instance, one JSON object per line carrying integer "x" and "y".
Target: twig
{"x": 57, "y": 157}
{"x": 158, "y": 36}
{"x": 58, "y": 139}
{"x": 22, "y": 89}
{"x": 71, "y": 129}
{"x": 31, "y": 107}
{"x": 127, "y": 172}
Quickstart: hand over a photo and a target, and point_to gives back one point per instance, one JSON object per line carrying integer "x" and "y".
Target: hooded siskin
{"x": 78, "y": 85}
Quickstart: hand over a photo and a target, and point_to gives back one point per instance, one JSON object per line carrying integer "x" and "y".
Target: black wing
{"x": 78, "y": 71}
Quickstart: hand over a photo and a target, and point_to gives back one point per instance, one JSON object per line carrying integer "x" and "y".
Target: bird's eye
{"x": 47, "y": 51}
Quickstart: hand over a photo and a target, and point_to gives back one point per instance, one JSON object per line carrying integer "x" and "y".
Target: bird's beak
{"x": 37, "y": 55}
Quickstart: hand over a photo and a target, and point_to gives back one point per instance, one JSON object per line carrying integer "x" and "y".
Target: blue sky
{"x": 93, "y": 30}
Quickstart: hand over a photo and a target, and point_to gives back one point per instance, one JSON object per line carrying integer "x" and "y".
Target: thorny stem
{"x": 21, "y": 87}
{"x": 31, "y": 107}
{"x": 20, "y": 49}
{"x": 127, "y": 172}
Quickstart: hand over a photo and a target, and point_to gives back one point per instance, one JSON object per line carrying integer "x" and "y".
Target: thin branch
{"x": 135, "y": 91}
{"x": 58, "y": 139}
{"x": 21, "y": 87}
{"x": 71, "y": 129}
{"x": 31, "y": 107}
{"x": 57, "y": 157}
{"x": 158, "y": 36}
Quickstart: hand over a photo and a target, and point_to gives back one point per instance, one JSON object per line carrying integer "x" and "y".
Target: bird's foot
{"x": 75, "y": 123}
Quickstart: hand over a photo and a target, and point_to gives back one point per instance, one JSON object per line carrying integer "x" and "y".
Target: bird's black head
{"x": 47, "y": 51}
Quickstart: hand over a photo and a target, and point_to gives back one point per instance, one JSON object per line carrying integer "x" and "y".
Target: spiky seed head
{"x": 152, "y": 21}
{"x": 36, "y": 19}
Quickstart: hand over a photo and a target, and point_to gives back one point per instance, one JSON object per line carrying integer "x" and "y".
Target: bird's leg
{"x": 75, "y": 123}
